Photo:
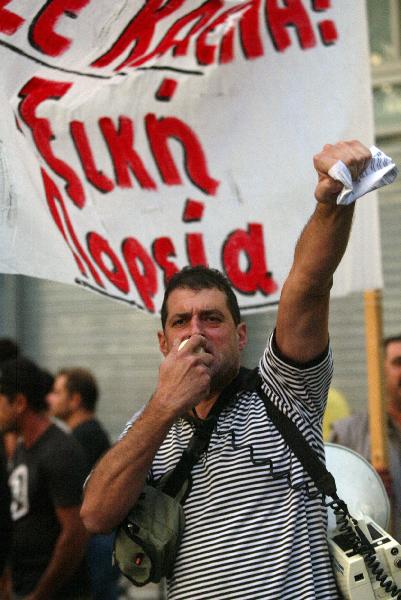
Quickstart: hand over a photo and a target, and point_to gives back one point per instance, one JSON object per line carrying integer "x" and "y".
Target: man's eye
{"x": 213, "y": 318}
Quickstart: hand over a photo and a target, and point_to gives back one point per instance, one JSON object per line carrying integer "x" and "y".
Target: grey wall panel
{"x": 391, "y": 252}
{"x": 66, "y": 326}
{"x": 259, "y": 327}
{"x": 8, "y": 305}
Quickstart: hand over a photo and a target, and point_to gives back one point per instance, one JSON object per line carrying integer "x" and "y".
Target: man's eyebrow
{"x": 203, "y": 313}
{"x": 180, "y": 315}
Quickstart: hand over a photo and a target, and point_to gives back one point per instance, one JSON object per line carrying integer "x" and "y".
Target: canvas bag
{"x": 147, "y": 541}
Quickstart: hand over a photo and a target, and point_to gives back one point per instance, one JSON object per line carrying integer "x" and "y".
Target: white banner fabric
{"x": 138, "y": 137}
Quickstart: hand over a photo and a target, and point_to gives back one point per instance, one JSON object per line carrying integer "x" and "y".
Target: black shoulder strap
{"x": 250, "y": 380}
{"x": 203, "y": 431}
{"x": 309, "y": 459}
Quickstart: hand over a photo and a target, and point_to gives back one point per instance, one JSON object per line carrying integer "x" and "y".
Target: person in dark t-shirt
{"x": 5, "y": 517}
{"x": 46, "y": 477}
{"x": 73, "y": 399}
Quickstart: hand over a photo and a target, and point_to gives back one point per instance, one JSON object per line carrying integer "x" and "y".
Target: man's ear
{"x": 242, "y": 335}
{"x": 21, "y": 403}
{"x": 162, "y": 343}
{"x": 75, "y": 400}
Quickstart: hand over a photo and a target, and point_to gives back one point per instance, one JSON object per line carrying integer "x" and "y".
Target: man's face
{"x": 205, "y": 312}
{"x": 392, "y": 371}
{"x": 8, "y": 414}
{"x": 59, "y": 399}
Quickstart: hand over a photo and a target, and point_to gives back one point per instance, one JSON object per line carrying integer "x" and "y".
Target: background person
{"x": 9, "y": 349}
{"x": 73, "y": 400}
{"x": 353, "y": 431}
{"x": 247, "y": 534}
{"x": 46, "y": 478}
{"x": 5, "y": 520}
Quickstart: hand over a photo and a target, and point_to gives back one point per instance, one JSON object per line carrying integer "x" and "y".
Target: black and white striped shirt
{"x": 249, "y": 535}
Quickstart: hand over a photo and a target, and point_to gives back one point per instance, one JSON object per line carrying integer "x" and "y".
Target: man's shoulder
{"x": 358, "y": 421}
{"x": 90, "y": 429}
{"x": 61, "y": 457}
{"x": 56, "y": 443}
{"x": 55, "y": 434}
{"x": 353, "y": 432}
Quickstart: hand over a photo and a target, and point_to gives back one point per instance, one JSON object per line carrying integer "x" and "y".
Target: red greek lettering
{"x": 327, "y": 28}
{"x": 142, "y": 270}
{"x": 256, "y": 277}
{"x": 159, "y": 131}
{"x": 162, "y": 250}
{"x": 139, "y": 32}
{"x": 193, "y": 211}
{"x": 293, "y": 14}
{"x": 171, "y": 41}
{"x": 250, "y": 38}
{"x": 137, "y": 45}
{"x": 33, "y": 93}
{"x": 120, "y": 143}
{"x": 196, "y": 249}
{"x": 60, "y": 216}
{"x": 100, "y": 248}
{"x": 81, "y": 142}
{"x": 9, "y": 21}
{"x": 166, "y": 90}
{"x": 249, "y": 32}
{"x": 42, "y": 34}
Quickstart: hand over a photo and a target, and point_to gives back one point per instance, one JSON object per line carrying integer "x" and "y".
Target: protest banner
{"x": 138, "y": 137}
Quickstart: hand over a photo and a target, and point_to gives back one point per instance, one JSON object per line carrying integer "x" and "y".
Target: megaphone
{"x": 368, "y": 574}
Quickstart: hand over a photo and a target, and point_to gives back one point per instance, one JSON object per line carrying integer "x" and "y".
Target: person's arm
{"x": 67, "y": 554}
{"x": 119, "y": 476}
{"x": 302, "y": 320}
{"x": 6, "y": 585}
{"x": 5, "y": 516}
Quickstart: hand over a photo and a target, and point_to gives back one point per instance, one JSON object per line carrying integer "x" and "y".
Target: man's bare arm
{"x": 67, "y": 554}
{"x": 302, "y": 321}
{"x": 118, "y": 478}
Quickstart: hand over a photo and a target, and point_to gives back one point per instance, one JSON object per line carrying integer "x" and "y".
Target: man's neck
{"x": 78, "y": 417}
{"x": 394, "y": 411}
{"x": 205, "y": 406}
{"x": 33, "y": 427}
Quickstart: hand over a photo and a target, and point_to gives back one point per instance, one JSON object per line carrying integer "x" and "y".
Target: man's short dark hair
{"x": 83, "y": 382}
{"x": 8, "y": 349}
{"x": 22, "y": 376}
{"x": 200, "y": 278}
{"x": 48, "y": 381}
{"x": 390, "y": 339}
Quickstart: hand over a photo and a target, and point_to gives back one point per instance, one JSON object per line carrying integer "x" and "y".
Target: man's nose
{"x": 196, "y": 325}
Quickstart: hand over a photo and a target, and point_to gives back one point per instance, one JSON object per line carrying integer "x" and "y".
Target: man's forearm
{"x": 118, "y": 478}
{"x": 321, "y": 247}
{"x": 302, "y": 323}
{"x": 302, "y": 319}
{"x": 67, "y": 555}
